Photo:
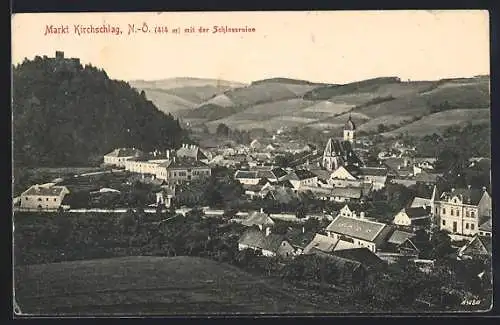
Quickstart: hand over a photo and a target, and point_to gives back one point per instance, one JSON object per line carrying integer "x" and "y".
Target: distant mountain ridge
{"x": 387, "y": 103}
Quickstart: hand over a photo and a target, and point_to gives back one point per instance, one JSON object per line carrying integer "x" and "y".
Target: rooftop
{"x": 190, "y": 151}
{"x": 321, "y": 242}
{"x": 183, "y": 163}
{"x": 125, "y": 152}
{"x": 347, "y": 192}
{"x": 258, "y": 218}
{"x": 358, "y": 228}
{"x": 486, "y": 226}
{"x": 42, "y": 190}
{"x": 301, "y": 174}
{"x": 373, "y": 171}
{"x": 415, "y": 213}
{"x": 258, "y": 239}
{"x": 467, "y": 195}
{"x": 398, "y": 237}
{"x": 362, "y": 255}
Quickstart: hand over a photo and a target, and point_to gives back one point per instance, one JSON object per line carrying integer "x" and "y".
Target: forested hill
{"x": 67, "y": 114}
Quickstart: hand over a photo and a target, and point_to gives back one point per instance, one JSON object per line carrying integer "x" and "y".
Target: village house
{"x": 322, "y": 243}
{"x": 247, "y": 177}
{"x": 118, "y": 157}
{"x": 485, "y": 228}
{"x": 363, "y": 255}
{"x": 360, "y": 232}
{"x": 479, "y": 247}
{"x": 180, "y": 170}
{"x": 426, "y": 163}
{"x": 295, "y": 147}
{"x": 266, "y": 242}
{"x": 377, "y": 176}
{"x": 148, "y": 164}
{"x": 301, "y": 178}
{"x": 401, "y": 242}
{"x": 413, "y": 217}
{"x": 255, "y": 174}
{"x": 345, "y": 176}
{"x": 424, "y": 198}
{"x": 259, "y": 219}
{"x": 349, "y": 211}
{"x": 281, "y": 195}
{"x": 399, "y": 167}
{"x": 461, "y": 211}
{"x": 336, "y": 194}
{"x": 373, "y": 178}
{"x": 427, "y": 178}
{"x": 191, "y": 151}
{"x": 45, "y": 196}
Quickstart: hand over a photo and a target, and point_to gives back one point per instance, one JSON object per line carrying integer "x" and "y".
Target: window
{"x": 437, "y": 211}
{"x": 444, "y": 211}
{"x": 466, "y": 226}
{"x": 444, "y": 222}
{"x": 27, "y": 198}
{"x": 472, "y": 226}
{"x": 451, "y": 212}
{"x": 46, "y": 199}
{"x": 472, "y": 214}
{"x": 55, "y": 199}
{"x": 467, "y": 214}
{"x": 39, "y": 199}
{"x": 458, "y": 213}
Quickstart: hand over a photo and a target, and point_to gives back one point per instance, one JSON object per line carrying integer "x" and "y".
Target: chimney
{"x": 362, "y": 215}
{"x": 452, "y": 189}
{"x": 268, "y": 231}
{"x": 168, "y": 154}
{"x": 468, "y": 186}
{"x": 484, "y": 188}
{"x": 303, "y": 229}
{"x": 261, "y": 210}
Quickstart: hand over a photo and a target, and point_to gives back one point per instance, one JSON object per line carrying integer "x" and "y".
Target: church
{"x": 341, "y": 152}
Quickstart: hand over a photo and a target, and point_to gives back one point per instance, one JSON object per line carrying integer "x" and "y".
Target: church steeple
{"x": 349, "y": 130}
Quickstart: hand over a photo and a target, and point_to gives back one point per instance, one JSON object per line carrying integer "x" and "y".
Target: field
{"x": 167, "y": 102}
{"x": 281, "y": 102}
{"x": 438, "y": 122}
{"x": 151, "y": 285}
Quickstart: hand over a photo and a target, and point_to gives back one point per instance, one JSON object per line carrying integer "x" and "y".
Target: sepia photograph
{"x": 251, "y": 163}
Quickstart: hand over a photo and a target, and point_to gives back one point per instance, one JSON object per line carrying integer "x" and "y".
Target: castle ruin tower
{"x": 349, "y": 130}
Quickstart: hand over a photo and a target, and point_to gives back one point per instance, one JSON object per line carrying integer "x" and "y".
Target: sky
{"x": 327, "y": 46}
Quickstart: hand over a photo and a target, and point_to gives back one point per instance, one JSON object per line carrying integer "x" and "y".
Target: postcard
{"x": 251, "y": 163}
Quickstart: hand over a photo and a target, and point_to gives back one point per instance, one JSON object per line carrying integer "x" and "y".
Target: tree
{"x": 441, "y": 244}
{"x": 223, "y": 130}
{"x": 301, "y": 212}
{"x": 127, "y": 221}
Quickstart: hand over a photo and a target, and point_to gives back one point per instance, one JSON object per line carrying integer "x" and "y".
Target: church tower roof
{"x": 349, "y": 125}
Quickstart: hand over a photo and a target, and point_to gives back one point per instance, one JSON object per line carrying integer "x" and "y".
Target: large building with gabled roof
{"x": 341, "y": 152}
{"x": 360, "y": 232}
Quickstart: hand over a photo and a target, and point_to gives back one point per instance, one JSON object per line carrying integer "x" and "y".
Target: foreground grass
{"x": 151, "y": 285}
